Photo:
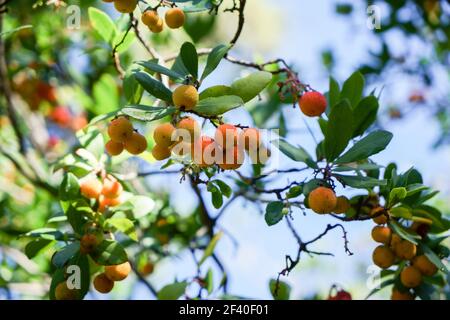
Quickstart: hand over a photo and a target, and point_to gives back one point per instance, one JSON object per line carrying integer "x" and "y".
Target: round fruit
{"x": 322, "y": 200}
{"x": 91, "y": 188}
{"x": 150, "y": 18}
{"x": 405, "y": 250}
{"x": 395, "y": 239}
{"x": 161, "y": 153}
{"x": 111, "y": 187}
{"x": 114, "y": 148}
{"x": 188, "y": 129}
{"x": 227, "y": 136}
{"x": 232, "y": 159}
{"x": 120, "y": 130}
{"x": 398, "y": 295}
{"x": 148, "y": 268}
{"x": 342, "y": 205}
{"x": 410, "y": 277}
{"x": 125, "y": 6}
{"x": 185, "y": 96}
{"x": 380, "y": 215}
{"x": 158, "y": 27}
{"x": 424, "y": 265}
{"x": 250, "y": 138}
{"x": 108, "y": 203}
{"x": 163, "y": 135}
{"x": 313, "y": 104}
{"x": 103, "y": 284}
{"x": 175, "y": 18}
{"x": 136, "y": 144}
{"x": 118, "y": 272}
{"x": 383, "y": 257}
{"x": 181, "y": 148}
{"x": 381, "y": 234}
{"x": 204, "y": 152}
{"x": 88, "y": 242}
{"x": 62, "y": 292}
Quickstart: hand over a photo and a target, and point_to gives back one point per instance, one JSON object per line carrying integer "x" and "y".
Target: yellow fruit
{"x": 398, "y": 295}
{"x": 188, "y": 129}
{"x": 150, "y": 18}
{"x": 114, "y": 148}
{"x": 250, "y": 138}
{"x": 232, "y": 159}
{"x": 111, "y": 187}
{"x": 118, "y": 272}
{"x": 120, "y": 130}
{"x": 424, "y": 265}
{"x": 148, "y": 269}
{"x": 62, "y": 292}
{"x": 136, "y": 144}
{"x": 186, "y": 97}
{"x": 91, "y": 188}
{"x": 381, "y": 234}
{"x": 405, "y": 250}
{"x": 383, "y": 257}
{"x": 204, "y": 152}
{"x": 161, "y": 153}
{"x": 125, "y": 6}
{"x": 163, "y": 135}
{"x": 158, "y": 27}
{"x": 410, "y": 277}
{"x": 103, "y": 284}
{"x": 227, "y": 136}
{"x": 395, "y": 239}
{"x": 313, "y": 104}
{"x": 342, "y": 205}
{"x": 380, "y": 218}
{"x": 175, "y": 18}
{"x": 322, "y": 200}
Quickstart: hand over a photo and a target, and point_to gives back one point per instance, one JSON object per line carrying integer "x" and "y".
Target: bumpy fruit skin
{"x": 118, "y": 272}
{"x": 120, "y": 130}
{"x": 410, "y": 277}
{"x": 158, "y": 27}
{"x": 163, "y": 135}
{"x": 185, "y": 96}
{"x": 398, "y": 295}
{"x": 150, "y": 18}
{"x": 380, "y": 218}
{"x": 424, "y": 265}
{"x": 250, "y": 138}
{"x": 175, "y": 18}
{"x": 405, "y": 250}
{"x": 204, "y": 152}
{"x": 88, "y": 242}
{"x": 191, "y": 127}
{"x": 342, "y": 205}
{"x": 114, "y": 148}
{"x": 62, "y": 292}
{"x": 161, "y": 153}
{"x": 381, "y": 234}
{"x": 111, "y": 187}
{"x": 103, "y": 284}
{"x": 125, "y": 6}
{"x": 313, "y": 104}
{"x": 227, "y": 136}
{"x": 91, "y": 188}
{"x": 383, "y": 257}
{"x": 136, "y": 144}
{"x": 232, "y": 159}
{"x": 322, "y": 200}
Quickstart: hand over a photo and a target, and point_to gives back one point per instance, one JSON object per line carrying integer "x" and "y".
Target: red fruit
{"x": 313, "y": 104}
{"x": 204, "y": 151}
{"x": 46, "y": 92}
{"x": 227, "y": 136}
{"x": 61, "y": 116}
{"x": 341, "y": 295}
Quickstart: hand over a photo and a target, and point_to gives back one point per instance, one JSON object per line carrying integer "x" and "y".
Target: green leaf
{"x": 70, "y": 188}
{"x": 123, "y": 41}
{"x": 155, "y": 67}
{"x": 60, "y": 258}
{"x": 401, "y": 212}
{"x": 172, "y": 291}
{"x": 209, "y": 280}
{"x": 396, "y": 195}
{"x": 364, "y": 115}
{"x": 139, "y": 206}
{"x": 131, "y": 88}
{"x": 11, "y": 31}
{"x": 210, "y": 248}
{"x": 224, "y": 188}
{"x": 298, "y": 154}
{"x": 360, "y": 182}
{"x": 433, "y": 257}
{"x": 217, "y": 106}
{"x": 33, "y": 247}
{"x": 105, "y": 94}
{"x": 339, "y": 130}
{"x": 374, "y": 143}
{"x": 274, "y": 213}
{"x": 94, "y": 145}
{"x": 353, "y": 89}
{"x": 148, "y": 114}
{"x": 382, "y": 285}
{"x": 284, "y": 290}
{"x": 216, "y": 195}
{"x": 333, "y": 93}
{"x": 76, "y": 214}
{"x": 188, "y": 54}
{"x": 153, "y": 86}
{"x": 215, "y": 91}
{"x": 46, "y": 233}
{"x": 398, "y": 229}
{"x": 249, "y": 87}
{"x": 124, "y": 225}
{"x": 214, "y": 59}
{"x": 109, "y": 252}
{"x": 294, "y": 192}
{"x": 102, "y": 23}
{"x": 57, "y": 278}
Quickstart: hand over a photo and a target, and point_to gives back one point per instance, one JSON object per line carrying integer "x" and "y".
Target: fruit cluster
{"x": 174, "y": 17}
{"x": 104, "y": 282}
{"x": 123, "y": 136}
{"x": 394, "y": 250}
{"x": 107, "y": 194}
{"x": 323, "y": 200}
